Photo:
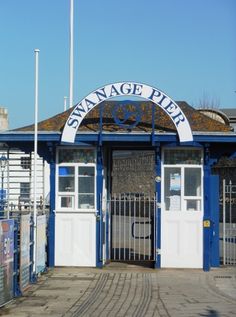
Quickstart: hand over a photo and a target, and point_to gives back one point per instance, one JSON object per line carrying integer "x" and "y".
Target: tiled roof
{"x": 230, "y": 112}
{"x": 197, "y": 120}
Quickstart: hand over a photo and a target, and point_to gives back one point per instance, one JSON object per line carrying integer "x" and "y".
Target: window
{"x": 183, "y": 156}
{"x": 76, "y": 179}
{"x": 25, "y": 162}
{"x": 183, "y": 179}
{"x": 172, "y": 181}
{"x": 66, "y": 179}
{"x": 76, "y": 156}
{"x": 24, "y": 192}
{"x": 86, "y": 188}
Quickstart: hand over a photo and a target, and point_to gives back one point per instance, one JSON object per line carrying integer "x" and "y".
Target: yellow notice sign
{"x": 206, "y": 223}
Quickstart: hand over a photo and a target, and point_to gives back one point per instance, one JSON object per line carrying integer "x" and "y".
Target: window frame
{"x": 183, "y": 198}
{"x": 74, "y": 194}
{"x": 24, "y": 194}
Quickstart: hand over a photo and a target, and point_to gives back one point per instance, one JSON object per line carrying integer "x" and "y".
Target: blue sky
{"x": 186, "y": 48}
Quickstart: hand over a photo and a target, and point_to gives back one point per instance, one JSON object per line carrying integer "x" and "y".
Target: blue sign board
{"x": 6, "y": 260}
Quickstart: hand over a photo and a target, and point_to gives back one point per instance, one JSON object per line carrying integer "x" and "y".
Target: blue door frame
{"x": 211, "y": 217}
{"x": 100, "y": 227}
{"x": 99, "y": 222}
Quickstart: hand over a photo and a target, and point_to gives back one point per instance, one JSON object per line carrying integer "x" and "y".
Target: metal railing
{"x": 132, "y": 227}
{"x": 228, "y": 227}
{"x": 16, "y": 252}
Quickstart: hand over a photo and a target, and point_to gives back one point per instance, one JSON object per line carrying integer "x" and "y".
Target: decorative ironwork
{"x": 127, "y": 115}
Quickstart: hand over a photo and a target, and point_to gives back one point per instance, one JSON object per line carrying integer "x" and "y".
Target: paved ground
{"x": 128, "y": 291}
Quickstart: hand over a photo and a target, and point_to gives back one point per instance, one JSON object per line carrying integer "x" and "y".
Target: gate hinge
{"x": 158, "y": 251}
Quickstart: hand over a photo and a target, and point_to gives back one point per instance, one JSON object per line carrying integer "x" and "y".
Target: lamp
{"x": 3, "y": 164}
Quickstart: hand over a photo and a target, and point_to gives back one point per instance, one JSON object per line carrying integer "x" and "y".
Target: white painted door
{"x": 181, "y": 239}
{"x": 75, "y": 239}
{"x": 182, "y": 209}
{"x": 75, "y": 224}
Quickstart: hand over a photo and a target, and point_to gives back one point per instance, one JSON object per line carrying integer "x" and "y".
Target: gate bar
{"x": 224, "y": 251}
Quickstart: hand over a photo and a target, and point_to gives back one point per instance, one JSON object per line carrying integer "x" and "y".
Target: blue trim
{"x": 158, "y": 210}
{"x": 83, "y": 138}
{"x": 206, "y": 216}
{"x": 186, "y": 144}
{"x": 51, "y": 224}
{"x": 214, "y": 204}
{"x": 99, "y": 223}
{"x": 16, "y": 286}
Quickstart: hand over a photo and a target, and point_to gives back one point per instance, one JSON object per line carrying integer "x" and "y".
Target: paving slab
{"x": 128, "y": 291}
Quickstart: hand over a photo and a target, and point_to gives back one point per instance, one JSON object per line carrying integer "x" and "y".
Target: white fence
{"x": 17, "y": 179}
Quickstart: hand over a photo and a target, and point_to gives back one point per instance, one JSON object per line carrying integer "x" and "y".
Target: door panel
{"x": 181, "y": 239}
{"x": 75, "y": 238}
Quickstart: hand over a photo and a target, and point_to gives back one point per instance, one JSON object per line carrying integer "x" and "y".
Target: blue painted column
{"x": 206, "y": 216}
{"x": 51, "y": 223}
{"x": 214, "y": 212}
{"x": 157, "y": 228}
{"x": 99, "y": 222}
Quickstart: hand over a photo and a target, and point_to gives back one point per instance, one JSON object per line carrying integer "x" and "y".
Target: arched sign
{"x": 127, "y": 89}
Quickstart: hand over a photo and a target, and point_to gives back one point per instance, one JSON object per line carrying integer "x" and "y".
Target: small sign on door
{"x": 206, "y": 223}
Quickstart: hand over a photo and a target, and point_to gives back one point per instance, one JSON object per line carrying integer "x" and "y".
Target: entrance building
{"x": 131, "y": 180}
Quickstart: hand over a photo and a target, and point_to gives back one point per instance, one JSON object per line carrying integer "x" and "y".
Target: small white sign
{"x": 175, "y": 182}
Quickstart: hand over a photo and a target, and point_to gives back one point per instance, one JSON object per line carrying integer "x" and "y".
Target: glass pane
{"x": 192, "y": 182}
{"x": 86, "y": 184}
{"x": 76, "y": 156}
{"x": 181, "y": 156}
{"x": 66, "y": 202}
{"x": 66, "y": 179}
{"x": 86, "y": 201}
{"x": 66, "y": 171}
{"x": 24, "y": 191}
{"x": 172, "y": 190}
{"x": 66, "y": 184}
{"x": 193, "y": 205}
{"x": 86, "y": 171}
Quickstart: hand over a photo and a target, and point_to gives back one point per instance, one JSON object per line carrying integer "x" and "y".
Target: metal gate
{"x": 228, "y": 227}
{"x": 132, "y": 227}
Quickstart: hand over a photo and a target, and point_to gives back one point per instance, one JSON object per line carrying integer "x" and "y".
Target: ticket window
{"x": 76, "y": 179}
{"x": 183, "y": 180}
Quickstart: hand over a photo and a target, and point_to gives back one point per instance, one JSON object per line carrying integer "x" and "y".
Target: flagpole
{"x": 65, "y": 103}
{"x": 35, "y": 159}
{"x": 71, "y": 53}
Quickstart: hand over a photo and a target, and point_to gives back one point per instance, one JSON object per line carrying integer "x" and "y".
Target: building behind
{"x": 3, "y": 119}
